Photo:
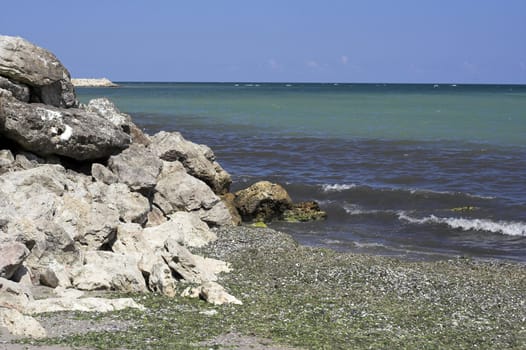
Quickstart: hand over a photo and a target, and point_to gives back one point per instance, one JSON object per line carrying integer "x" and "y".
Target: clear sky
{"x": 405, "y": 41}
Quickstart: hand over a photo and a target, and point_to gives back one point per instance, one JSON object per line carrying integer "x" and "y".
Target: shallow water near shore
{"x": 417, "y": 171}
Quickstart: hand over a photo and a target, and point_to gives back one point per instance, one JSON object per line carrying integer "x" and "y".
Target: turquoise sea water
{"x": 392, "y": 164}
{"x": 480, "y": 113}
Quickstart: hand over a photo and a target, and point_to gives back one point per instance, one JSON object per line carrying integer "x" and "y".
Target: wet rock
{"x": 198, "y": 160}
{"x": 304, "y": 211}
{"x": 24, "y": 62}
{"x": 263, "y": 201}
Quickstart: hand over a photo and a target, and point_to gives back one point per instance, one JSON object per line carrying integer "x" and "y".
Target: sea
{"x": 415, "y": 171}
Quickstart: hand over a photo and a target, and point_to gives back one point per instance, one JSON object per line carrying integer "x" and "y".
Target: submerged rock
{"x": 304, "y": 211}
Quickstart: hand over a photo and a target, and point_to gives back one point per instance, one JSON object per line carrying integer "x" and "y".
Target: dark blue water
{"x": 407, "y": 170}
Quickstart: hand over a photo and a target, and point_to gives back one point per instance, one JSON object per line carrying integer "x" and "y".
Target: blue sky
{"x": 405, "y": 41}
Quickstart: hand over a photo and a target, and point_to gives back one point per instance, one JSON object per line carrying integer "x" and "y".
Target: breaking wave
{"x": 337, "y": 187}
{"x": 510, "y": 228}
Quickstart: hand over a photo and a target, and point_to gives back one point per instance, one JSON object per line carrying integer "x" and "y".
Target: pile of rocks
{"x": 89, "y": 202}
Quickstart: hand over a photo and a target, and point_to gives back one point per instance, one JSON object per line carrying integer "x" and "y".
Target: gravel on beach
{"x": 314, "y": 298}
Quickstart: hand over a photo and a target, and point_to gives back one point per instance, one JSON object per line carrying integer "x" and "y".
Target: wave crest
{"x": 337, "y": 187}
{"x": 510, "y": 228}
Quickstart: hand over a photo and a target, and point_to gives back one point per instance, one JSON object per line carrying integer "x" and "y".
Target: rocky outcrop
{"x": 263, "y": 201}
{"x": 19, "y": 91}
{"x": 213, "y": 293}
{"x": 21, "y": 325}
{"x": 97, "y": 82}
{"x": 137, "y": 167}
{"x": 198, "y": 160}
{"x": 304, "y": 211}
{"x": 12, "y": 256}
{"x": 177, "y": 190}
{"x": 48, "y": 80}
{"x": 90, "y": 202}
{"x": 46, "y": 130}
{"x": 107, "y": 110}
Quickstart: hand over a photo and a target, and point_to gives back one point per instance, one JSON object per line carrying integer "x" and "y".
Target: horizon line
{"x": 310, "y": 82}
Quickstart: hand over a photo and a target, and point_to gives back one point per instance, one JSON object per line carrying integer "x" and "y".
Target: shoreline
{"x": 299, "y": 297}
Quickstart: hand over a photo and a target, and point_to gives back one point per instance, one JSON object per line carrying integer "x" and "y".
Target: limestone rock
{"x": 263, "y": 201}
{"x": 6, "y": 159}
{"x": 109, "y": 271}
{"x": 131, "y": 206}
{"x": 27, "y": 160}
{"x": 137, "y": 167}
{"x": 215, "y": 294}
{"x": 73, "y": 132}
{"x": 178, "y": 191}
{"x": 49, "y": 80}
{"x": 103, "y": 174}
{"x": 21, "y": 325}
{"x": 184, "y": 228}
{"x": 228, "y": 200}
{"x": 155, "y": 217}
{"x": 12, "y": 256}
{"x": 14, "y": 295}
{"x": 161, "y": 280}
{"x": 107, "y": 109}
{"x": 19, "y": 91}
{"x": 199, "y": 160}
{"x": 80, "y": 304}
{"x": 54, "y": 274}
{"x": 192, "y": 268}
{"x": 218, "y": 215}
{"x": 212, "y": 293}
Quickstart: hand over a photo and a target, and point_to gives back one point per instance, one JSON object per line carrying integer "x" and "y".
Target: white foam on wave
{"x": 510, "y": 228}
{"x": 337, "y": 187}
